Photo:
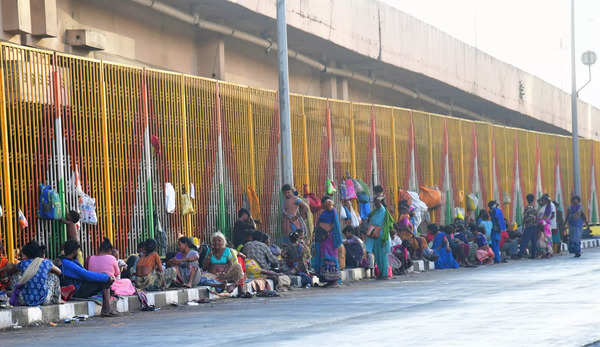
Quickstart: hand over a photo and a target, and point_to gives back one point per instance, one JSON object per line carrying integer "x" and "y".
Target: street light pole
{"x": 284, "y": 96}
{"x": 574, "y": 126}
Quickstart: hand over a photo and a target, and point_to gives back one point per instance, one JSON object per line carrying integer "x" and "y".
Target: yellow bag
{"x": 186, "y": 204}
{"x": 253, "y": 270}
{"x": 472, "y": 202}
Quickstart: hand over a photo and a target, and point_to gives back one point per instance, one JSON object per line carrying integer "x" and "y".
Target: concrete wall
{"x": 409, "y": 43}
{"x": 141, "y": 36}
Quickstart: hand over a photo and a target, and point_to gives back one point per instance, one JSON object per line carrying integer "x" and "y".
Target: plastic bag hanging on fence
{"x": 432, "y": 197}
{"x": 506, "y": 199}
{"x": 169, "y": 197}
{"x": 87, "y": 209}
{"x": 330, "y": 187}
{"x": 22, "y": 220}
{"x": 1, "y": 212}
{"x": 192, "y": 191}
{"x": 472, "y": 202}
{"x": 186, "y": 204}
{"x": 161, "y": 236}
{"x": 313, "y": 201}
{"x": 49, "y": 204}
{"x": 350, "y": 191}
{"x": 343, "y": 191}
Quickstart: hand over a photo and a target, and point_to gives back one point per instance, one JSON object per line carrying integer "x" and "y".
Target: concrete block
{"x": 419, "y": 265}
{"x": 564, "y": 247}
{"x": 345, "y": 275}
{"x": 52, "y": 313}
{"x": 192, "y": 294}
{"x": 356, "y": 274}
{"x": 410, "y": 269}
{"x": 134, "y": 303}
{"x": 27, "y": 315}
{"x": 6, "y": 320}
{"x": 122, "y": 304}
{"x": 66, "y": 310}
{"x": 430, "y": 266}
{"x": 171, "y": 297}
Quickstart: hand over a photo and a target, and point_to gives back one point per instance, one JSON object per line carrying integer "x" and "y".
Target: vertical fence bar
{"x": 305, "y": 147}
{"x": 59, "y": 146}
{"x": 7, "y": 203}
{"x": 329, "y": 144}
{"x": 147, "y": 157}
{"x": 430, "y": 144}
{"x": 251, "y": 143}
{"x": 105, "y": 157}
{"x": 352, "y": 141}
{"x": 491, "y": 166}
{"x": 221, "y": 221}
{"x": 186, "y": 163}
{"x": 374, "y": 149}
{"x": 463, "y": 203}
{"x": 394, "y": 164}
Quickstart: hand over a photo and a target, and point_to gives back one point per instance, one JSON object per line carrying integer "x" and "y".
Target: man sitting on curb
{"x": 87, "y": 283}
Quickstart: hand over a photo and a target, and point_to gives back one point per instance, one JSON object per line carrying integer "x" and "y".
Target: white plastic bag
{"x": 420, "y": 208}
{"x": 192, "y": 191}
{"x": 169, "y": 197}
{"x": 354, "y": 217}
{"x": 87, "y": 209}
{"x": 343, "y": 215}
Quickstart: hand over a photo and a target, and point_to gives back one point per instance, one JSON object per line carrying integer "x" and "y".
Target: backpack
{"x": 529, "y": 216}
{"x": 50, "y": 206}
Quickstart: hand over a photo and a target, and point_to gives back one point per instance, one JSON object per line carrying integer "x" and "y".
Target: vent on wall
{"x": 86, "y": 38}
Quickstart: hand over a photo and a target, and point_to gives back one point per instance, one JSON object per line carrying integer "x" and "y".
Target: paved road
{"x": 551, "y": 302}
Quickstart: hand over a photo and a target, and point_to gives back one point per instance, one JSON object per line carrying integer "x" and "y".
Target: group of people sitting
{"x": 312, "y": 247}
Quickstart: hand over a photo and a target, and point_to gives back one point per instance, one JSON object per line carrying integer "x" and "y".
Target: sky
{"x": 533, "y": 35}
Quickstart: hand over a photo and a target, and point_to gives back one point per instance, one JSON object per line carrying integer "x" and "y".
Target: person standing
{"x": 328, "y": 238}
{"x": 292, "y": 221}
{"x": 378, "y": 240}
{"x": 547, "y": 218}
{"x": 529, "y": 228}
{"x": 499, "y": 226}
{"x": 575, "y": 219}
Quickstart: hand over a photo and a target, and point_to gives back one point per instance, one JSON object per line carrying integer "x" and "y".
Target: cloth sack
{"x": 432, "y": 197}
{"x": 350, "y": 191}
{"x": 169, "y": 197}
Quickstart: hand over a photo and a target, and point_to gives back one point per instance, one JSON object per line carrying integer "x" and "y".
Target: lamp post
{"x": 588, "y": 58}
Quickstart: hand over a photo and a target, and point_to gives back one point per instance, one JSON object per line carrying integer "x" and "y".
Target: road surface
{"x": 551, "y": 302}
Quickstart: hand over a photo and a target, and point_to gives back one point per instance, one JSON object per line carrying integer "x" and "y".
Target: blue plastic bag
{"x": 50, "y": 206}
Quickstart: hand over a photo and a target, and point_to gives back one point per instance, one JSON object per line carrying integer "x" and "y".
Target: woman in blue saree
{"x": 328, "y": 238}
{"x": 442, "y": 248}
{"x": 378, "y": 242}
{"x": 575, "y": 219}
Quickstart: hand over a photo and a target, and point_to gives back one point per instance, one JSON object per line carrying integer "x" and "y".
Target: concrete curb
{"x": 22, "y": 316}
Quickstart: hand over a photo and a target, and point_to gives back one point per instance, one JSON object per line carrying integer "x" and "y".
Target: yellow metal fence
{"x": 67, "y": 121}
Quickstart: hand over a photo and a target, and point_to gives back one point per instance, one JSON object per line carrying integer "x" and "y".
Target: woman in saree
{"x": 224, "y": 270}
{"x": 575, "y": 219}
{"x": 441, "y": 247}
{"x": 328, "y": 238}
{"x": 378, "y": 236}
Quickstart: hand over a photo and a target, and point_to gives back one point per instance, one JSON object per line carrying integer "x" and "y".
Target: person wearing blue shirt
{"x": 499, "y": 225}
{"x": 87, "y": 283}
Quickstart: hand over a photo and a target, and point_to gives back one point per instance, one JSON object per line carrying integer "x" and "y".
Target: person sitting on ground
{"x": 149, "y": 270}
{"x": 484, "y": 253}
{"x": 460, "y": 249}
{"x": 106, "y": 263}
{"x": 70, "y": 222}
{"x": 441, "y": 247}
{"x": 416, "y": 244}
{"x": 485, "y": 222}
{"x": 37, "y": 281}
{"x": 356, "y": 255}
{"x": 243, "y": 226}
{"x": 222, "y": 264}
{"x": 132, "y": 262}
{"x": 259, "y": 251}
{"x": 186, "y": 263}
{"x": 296, "y": 259}
{"x": 4, "y": 277}
{"x": 86, "y": 283}
{"x": 510, "y": 247}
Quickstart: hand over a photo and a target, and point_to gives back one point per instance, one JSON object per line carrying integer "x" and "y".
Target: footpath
{"x": 17, "y": 317}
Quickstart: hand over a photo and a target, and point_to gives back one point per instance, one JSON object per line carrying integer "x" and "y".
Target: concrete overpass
{"x": 359, "y": 50}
